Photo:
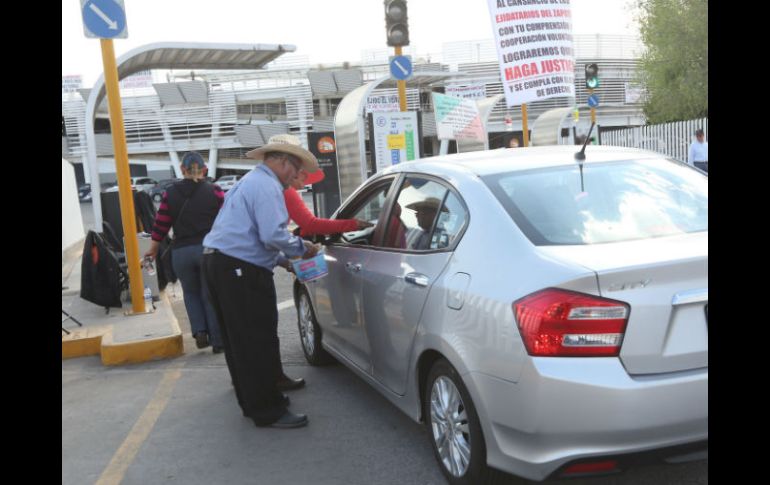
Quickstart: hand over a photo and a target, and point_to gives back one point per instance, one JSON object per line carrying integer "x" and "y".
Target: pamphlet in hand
{"x": 311, "y": 269}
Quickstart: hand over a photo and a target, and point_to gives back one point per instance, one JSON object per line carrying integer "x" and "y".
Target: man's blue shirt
{"x": 252, "y": 222}
{"x": 699, "y": 152}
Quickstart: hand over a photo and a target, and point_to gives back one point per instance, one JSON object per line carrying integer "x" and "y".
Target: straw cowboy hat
{"x": 430, "y": 203}
{"x": 286, "y": 144}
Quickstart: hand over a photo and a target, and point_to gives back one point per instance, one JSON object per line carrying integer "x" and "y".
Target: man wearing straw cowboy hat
{"x": 245, "y": 243}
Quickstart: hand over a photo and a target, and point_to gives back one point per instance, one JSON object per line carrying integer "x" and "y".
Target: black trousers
{"x": 243, "y": 296}
{"x": 702, "y": 165}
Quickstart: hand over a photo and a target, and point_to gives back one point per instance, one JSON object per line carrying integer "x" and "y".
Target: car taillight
{"x": 559, "y": 323}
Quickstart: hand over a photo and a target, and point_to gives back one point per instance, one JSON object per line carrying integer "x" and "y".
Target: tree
{"x": 675, "y": 66}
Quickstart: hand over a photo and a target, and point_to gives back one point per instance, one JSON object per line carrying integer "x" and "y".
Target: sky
{"x": 327, "y": 31}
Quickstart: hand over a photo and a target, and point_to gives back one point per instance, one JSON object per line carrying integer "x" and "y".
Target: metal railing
{"x": 671, "y": 139}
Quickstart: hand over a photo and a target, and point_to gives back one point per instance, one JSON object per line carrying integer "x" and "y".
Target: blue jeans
{"x": 187, "y": 266}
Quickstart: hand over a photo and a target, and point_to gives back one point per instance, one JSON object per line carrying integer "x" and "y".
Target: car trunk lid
{"x": 665, "y": 281}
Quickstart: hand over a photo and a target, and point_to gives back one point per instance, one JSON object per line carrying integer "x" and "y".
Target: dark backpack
{"x": 102, "y": 280}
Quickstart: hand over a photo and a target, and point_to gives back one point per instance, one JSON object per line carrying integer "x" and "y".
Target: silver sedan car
{"x": 543, "y": 316}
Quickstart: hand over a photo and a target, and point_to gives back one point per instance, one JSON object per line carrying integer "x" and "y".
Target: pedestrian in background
{"x": 699, "y": 151}
{"x": 248, "y": 239}
{"x": 190, "y": 207}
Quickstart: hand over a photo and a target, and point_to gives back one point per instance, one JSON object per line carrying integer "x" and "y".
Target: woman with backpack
{"x": 190, "y": 207}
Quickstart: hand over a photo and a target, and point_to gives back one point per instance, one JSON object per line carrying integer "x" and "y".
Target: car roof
{"x": 491, "y": 162}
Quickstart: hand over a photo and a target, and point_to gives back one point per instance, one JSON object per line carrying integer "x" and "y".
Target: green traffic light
{"x": 593, "y": 82}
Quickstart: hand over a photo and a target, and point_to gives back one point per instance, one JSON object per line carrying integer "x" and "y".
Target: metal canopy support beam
{"x": 350, "y": 126}
{"x": 170, "y": 55}
{"x": 546, "y": 130}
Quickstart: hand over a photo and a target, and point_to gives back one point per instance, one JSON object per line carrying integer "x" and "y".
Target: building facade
{"x": 223, "y": 114}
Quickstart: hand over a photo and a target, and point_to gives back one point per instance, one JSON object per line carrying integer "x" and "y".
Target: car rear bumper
{"x": 565, "y": 409}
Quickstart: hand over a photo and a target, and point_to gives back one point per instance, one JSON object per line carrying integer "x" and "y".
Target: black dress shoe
{"x": 288, "y": 420}
{"x": 217, "y": 350}
{"x": 286, "y": 383}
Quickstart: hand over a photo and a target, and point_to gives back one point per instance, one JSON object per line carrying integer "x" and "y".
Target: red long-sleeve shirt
{"x": 310, "y": 224}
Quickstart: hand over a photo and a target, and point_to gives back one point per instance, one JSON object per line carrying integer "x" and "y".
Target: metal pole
{"x": 524, "y": 126}
{"x": 93, "y": 162}
{"x": 124, "y": 176}
{"x": 401, "y": 86}
{"x": 444, "y": 148}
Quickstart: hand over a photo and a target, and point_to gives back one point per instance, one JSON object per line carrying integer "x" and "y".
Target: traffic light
{"x": 592, "y": 76}
{"x": 396, "y": 25}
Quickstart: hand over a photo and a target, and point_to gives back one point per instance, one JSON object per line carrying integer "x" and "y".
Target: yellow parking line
{"x": 125, "y": 455}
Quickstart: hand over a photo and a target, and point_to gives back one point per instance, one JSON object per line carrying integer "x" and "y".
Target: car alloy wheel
{"x": 449, "y": 423}
{"x": 306, "y": 330}
{"x": 455, "y": 431}
{"x": 309, "y": 331}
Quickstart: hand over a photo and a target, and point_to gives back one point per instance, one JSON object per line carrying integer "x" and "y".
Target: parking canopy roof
{"x": 195, "y": 55}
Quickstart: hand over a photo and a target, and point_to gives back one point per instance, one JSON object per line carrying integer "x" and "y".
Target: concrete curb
{"x": 142, "y": 350}
{"x": 100, "y": 340}
{"x": 83, "y": 341}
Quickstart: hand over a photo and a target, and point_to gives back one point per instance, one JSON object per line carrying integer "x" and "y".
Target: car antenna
{"x": 581, "y": 156}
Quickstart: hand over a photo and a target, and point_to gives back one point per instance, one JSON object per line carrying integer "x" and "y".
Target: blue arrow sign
{"x": 593, "y": 101}
{"x": 400, "y": 67}
{"x": 104, "y": 19}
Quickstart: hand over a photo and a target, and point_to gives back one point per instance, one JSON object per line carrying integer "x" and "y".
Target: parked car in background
{"x": 226, "y": 182}
{"x": 106, "y": 186}
{"x": 138, "y": 184}
{"x": 157, "y": 192}
{"x": 84, "y": 193}
{"x": 541, "y": 316}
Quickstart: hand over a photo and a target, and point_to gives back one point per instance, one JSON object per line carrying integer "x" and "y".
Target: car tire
{"x": 309, "y": 331}
{"x": 451, "y": 419}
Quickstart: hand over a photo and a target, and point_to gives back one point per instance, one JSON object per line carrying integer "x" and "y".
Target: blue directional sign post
{"x": 593, "y": 101}
{"x": 104, "y": 19}
{"x": 401, "y": 67}
{"x": 401, "y": 70}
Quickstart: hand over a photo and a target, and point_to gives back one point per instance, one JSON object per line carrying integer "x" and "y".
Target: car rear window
{"x": 618, "y": 201}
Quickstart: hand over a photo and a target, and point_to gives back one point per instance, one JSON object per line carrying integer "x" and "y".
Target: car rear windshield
{"x": 617, "y": 201}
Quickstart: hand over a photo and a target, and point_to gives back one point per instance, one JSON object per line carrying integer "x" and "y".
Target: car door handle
{"x": 353, "y": 267}
{"x": 417, "y": 279}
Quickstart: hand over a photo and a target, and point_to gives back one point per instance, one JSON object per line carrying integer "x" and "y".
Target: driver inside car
{"x": 425, "y": 211}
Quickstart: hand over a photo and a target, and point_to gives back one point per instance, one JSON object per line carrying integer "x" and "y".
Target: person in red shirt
{"x": 310, "y": 225}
